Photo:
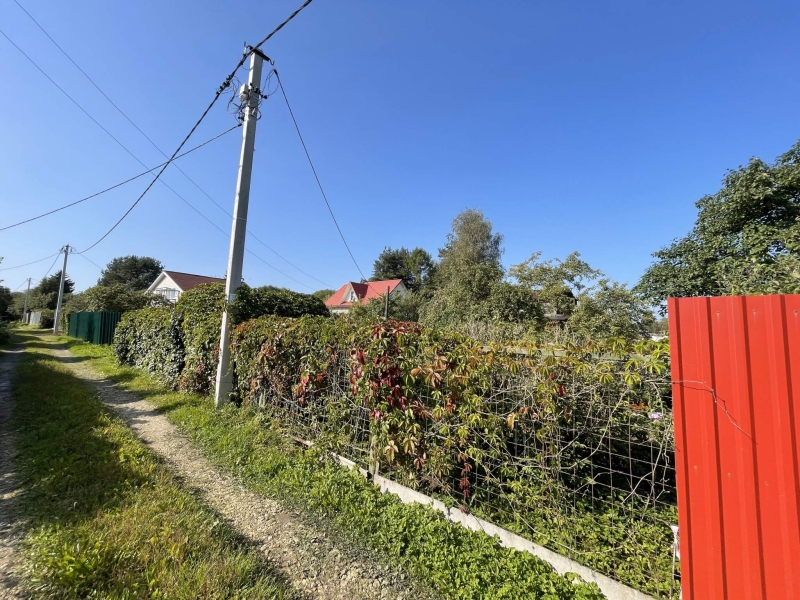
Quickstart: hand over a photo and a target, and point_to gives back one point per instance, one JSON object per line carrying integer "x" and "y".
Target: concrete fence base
{"x": 613, "y": 590}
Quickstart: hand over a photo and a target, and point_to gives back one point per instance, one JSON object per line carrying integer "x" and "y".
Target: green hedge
{"x": 180, "y": 344}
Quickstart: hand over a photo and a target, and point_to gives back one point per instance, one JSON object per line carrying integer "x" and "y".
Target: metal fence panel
{"x": 95, "y": 327}
{"x": 736, "y": 386}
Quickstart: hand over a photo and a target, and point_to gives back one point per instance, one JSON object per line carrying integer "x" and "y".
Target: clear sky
{"x": 588, "y": 126}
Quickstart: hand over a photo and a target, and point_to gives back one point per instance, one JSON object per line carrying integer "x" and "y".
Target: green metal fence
{"x": 94, "y": 327}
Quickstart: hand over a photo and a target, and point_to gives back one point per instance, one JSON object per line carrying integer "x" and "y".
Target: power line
{"x": 51, "y": 267}
{"x": 121, "y": 183}
{"x": 90, "y": 260}
{"x": 319, "y": 184}
{"x": 152, "y": 143}
{"x": 30, "y": 263}
{"x": 224, "y": 86}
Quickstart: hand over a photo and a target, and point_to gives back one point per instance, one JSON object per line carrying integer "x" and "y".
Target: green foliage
{"x": 405, "y": 308}
{"x": 5, "y": 335}
{"x": 471, "y": 243}
{"x": 608, "y": 310}
{"x": 440, "y": 554}
{"x": 444, "y": 410}
{"x": 268, "y": 300}
{"x": 743, "y": 241}
{"x": 45, "y": 295}
{"x": 133, "y": 272}
{"x": 415, "y": 267}
{"x": 6, "y": 300}
{"x": 555, "y": 282}
{"x": 113, "y": 298}
{"x": 323, "y": 294}
{"x": 181, "y": 346}
{"x": 152, "y": 339}
{"x": 103, "y": 516}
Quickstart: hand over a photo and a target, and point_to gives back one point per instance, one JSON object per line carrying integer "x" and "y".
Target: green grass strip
{"x": 457, "y": 563}
{"x": 104, "y": 517}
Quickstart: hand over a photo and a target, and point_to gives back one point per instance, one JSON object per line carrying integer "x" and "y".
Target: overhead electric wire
{"x": 51, "y": 267}
{"x": 218, "y": 93}
{"x": 30, "y": 263}
{"x": 152, "y": 143}
{"x": 90, "y": 260}
{"x": 121, "y": 183}
{"x": 319, "y": 184}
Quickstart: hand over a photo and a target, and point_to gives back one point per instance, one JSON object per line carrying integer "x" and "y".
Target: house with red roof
{"x": 352, "y": 292}
{"x": 171, "y": 284}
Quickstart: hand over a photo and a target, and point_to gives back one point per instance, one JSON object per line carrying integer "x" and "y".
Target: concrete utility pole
{"x": 57, "y": 317}
{"x": 25, "y": 307}
{"x": 250, "y": 94}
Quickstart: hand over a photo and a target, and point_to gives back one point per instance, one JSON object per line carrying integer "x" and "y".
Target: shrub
{"x": 151, "y": 339}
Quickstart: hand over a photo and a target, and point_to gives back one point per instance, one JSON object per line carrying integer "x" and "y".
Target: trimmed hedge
{"x": 180, "y": 344}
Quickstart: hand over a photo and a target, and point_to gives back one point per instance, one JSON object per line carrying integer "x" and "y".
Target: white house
{"x": 171, "y": 284}
{"x": 352, "y": 292}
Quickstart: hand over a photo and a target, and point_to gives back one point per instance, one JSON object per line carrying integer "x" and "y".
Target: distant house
{"x": 352, "y": 292}
{"x": 171, "y": 284}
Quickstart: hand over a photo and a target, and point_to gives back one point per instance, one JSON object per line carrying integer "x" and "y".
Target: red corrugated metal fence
{"x": 736, "y": 391}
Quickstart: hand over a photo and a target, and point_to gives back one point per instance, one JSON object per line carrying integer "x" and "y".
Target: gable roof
{"x": 185, "y": 281}
{"x": 363, "y": 291}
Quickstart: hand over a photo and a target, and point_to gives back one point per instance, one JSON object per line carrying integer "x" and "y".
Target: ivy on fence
{"x": 569, "y": 446}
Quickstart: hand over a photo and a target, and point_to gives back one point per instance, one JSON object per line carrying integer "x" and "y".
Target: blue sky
{"x": 588, "y": 126}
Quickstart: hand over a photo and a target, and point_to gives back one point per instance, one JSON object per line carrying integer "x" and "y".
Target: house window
{"x": 168, "y": 293}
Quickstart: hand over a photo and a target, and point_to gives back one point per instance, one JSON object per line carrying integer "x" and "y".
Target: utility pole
{"x": 250, "y": 94}
{"x": 57, "y": 317}
{"x": 386, "y": 307}
{"x": 25, "y": 307}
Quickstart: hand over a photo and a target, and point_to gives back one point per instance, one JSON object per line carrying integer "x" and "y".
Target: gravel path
{"x": 9, "y": 527}
{"x": 313, "y": 561}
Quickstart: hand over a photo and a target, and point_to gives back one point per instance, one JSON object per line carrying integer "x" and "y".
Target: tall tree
{"x": 415, "y": 267}
{"x": 471, "y": 243}
{"x": 468, "y": 272}
{"x": 134, "y": 272}
{"x": 6, "y": 299}
{"x": 556, "y": 282}
{"x": 45, "y": 295}
{"x": 746, "y": 238}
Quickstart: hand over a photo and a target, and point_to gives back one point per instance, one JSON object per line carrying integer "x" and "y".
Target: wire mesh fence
{"x": 574, "y": 454}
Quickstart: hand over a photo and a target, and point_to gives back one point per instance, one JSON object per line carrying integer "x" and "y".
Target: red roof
{"x": 187, "y": 281}
{"x": 363, "y": 291}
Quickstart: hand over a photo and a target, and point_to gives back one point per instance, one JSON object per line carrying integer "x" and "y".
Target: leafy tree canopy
{"x": 400, "y": 309}
{"x": 323, "y": 294}
{"x": 610, "y": 309}
{"x": 471, "y": 243}
{"x": 556, "y": 282}
{"x": 45, "y": 295}
{"x": 415, "y": 267}
{"x": 134, "y": 272}
{"x": 6, "y": 300}
{"x": 746, "y": 238}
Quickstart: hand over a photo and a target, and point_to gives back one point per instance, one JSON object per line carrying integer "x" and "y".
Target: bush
{"x": 151, "y": 339}
{"x": 181, "y": 345}
{"x": 5, "y": 335}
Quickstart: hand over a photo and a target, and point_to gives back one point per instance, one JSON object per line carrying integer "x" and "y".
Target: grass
{"x": 457, "y": 563}
{"x": 104, "y": 518}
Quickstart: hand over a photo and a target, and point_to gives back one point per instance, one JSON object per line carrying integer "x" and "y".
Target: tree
{"x": 745, "y": 238}
{"x": 45, "y": 295}
{"x": 471, "y": 243}
{"x": 609, "y": 309}
{"x": 556, "y": 283}
{"x": 400, "y": 309}
{"x": 323, "y": 294}
{"x": 415, "y": 267}
{"x": 134, "y": 272}
{"x": 6, "y": 299}
{"x": 468, "y": 271}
